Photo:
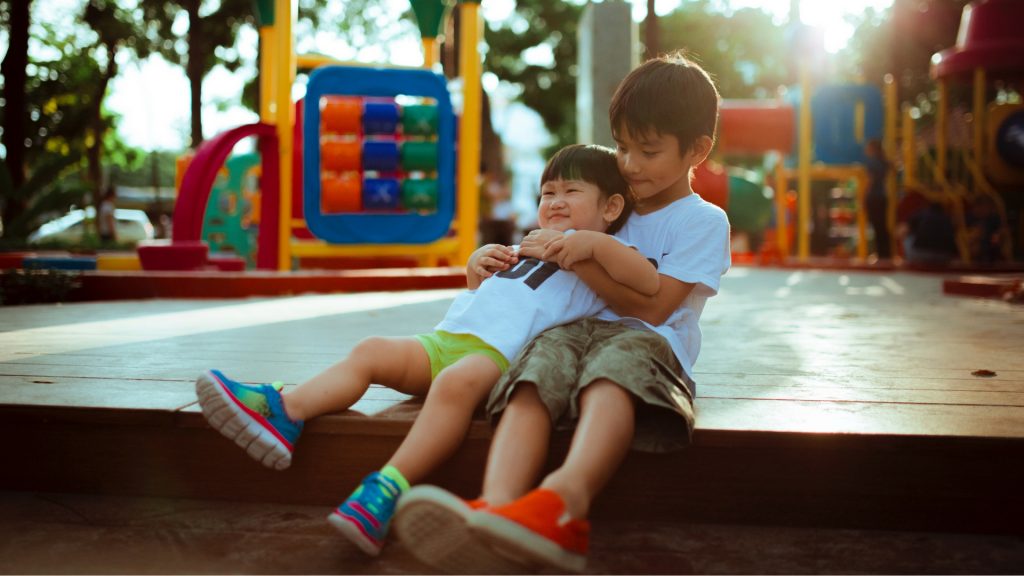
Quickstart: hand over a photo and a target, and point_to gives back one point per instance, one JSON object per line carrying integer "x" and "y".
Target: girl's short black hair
{"x": 595, "y": 165}
{"x": 670, "y": 94}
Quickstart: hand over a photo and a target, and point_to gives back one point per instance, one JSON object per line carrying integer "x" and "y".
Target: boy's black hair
{"x": 670, "y": 94}
{"x": 595, "y": 165}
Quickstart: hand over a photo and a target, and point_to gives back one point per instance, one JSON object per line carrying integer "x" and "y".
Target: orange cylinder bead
{"x": 342, "y": 115}
{"x": 340, "y": 194}
{"x": 341, "y": 155}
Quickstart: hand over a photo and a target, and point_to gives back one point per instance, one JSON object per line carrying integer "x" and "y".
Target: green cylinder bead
{"x": 419, "y": 156}
{"x": 419, "y": 194}
{"x": 419, "y": 120}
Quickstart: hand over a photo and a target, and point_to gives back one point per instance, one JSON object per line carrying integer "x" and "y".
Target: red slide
{"x": 186, "y": 250}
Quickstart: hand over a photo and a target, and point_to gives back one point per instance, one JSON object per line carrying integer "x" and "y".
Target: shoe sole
{"x": 431, "y": 523}
{"x": 227, "y": 415}
{"x": 351, "y": 530}
{"x": 518, "y": 540}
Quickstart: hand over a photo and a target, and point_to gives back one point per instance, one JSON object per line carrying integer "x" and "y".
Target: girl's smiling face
{"x": 577, "y": 205}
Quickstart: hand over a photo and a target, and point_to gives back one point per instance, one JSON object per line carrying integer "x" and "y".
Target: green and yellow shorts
{"x": 444, "y": 349}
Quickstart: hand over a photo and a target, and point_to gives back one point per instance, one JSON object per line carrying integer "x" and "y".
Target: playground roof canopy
{"x": 989, "y": 38}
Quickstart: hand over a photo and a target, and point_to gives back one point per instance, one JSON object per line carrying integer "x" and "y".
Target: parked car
{"x": 132, "y": 226}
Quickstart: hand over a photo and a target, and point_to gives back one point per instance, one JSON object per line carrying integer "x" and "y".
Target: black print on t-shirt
{"x": 535, "y": 279}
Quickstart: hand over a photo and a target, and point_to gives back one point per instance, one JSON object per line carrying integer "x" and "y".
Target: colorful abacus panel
{"x": 379, "y": 155}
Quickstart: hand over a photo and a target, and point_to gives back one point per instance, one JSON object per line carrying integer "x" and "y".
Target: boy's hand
{"x": 568, "y": 250}
{"x": 491, "y": 258}
{"x": 534, "y": 243}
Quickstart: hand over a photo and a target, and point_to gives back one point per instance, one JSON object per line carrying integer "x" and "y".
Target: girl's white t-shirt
{"x": 689, "y": 241}
{"x": 508, "y": 309}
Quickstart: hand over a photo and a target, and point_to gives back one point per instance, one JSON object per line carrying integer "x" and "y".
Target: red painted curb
{"x": 122, "y": 285}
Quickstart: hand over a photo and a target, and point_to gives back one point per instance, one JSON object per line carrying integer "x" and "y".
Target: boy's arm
{"x": 624, "y": 301}
{"x": 623, "y": 264}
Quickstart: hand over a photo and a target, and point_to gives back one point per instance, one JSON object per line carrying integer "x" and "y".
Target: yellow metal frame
{"x": 821, "y": 172}
{"x": 278, "y": 64}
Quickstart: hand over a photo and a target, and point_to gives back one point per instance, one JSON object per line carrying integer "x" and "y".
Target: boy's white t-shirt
{"x": 689, "y": 240}
{"x": 508, "y": 309}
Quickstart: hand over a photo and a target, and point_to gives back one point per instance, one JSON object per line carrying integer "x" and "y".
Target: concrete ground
{"x": 79, "y": 534}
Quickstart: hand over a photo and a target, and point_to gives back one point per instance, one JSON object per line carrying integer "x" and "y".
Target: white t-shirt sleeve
{"x": 701, "y": 253}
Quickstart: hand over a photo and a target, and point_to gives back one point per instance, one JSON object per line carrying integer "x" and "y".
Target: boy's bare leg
{"x": 444, "y": 419}
{"x": 398, "y": 363}
{"x": 601, "y": 441}
{"x": 519, "y": 448}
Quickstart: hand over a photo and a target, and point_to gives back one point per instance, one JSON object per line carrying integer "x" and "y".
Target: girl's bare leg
{"x": 601, "y": 441}
{"x": 398, "y": 363}
{"x": 519, "y": 448}
{"x": 443, "y": 421}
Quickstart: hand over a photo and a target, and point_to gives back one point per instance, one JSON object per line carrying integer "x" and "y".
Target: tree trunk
{"x": 14, "y": 73}
{"x": 651, "y": 41}
{"x": 94, "y": 152}
{"x": 194, "y": 69}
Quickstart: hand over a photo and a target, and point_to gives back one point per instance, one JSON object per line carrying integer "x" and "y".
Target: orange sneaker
{"x": 432, "y": 524}
{"x": 538, "y": 528}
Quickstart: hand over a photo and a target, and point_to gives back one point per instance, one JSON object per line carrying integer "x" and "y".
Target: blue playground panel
{"x": 378, "y": 228}
{"x": 834, "y": 111}
{"x": 59, "y": 263}
{"x": 380, "y": 117}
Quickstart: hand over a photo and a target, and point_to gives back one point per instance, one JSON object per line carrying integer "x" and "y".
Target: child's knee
{"x": 456, "y": 389}
{"x": 604, "y": 390}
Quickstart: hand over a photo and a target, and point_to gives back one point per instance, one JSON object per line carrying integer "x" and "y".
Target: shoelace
{"x": 379, "y": 495}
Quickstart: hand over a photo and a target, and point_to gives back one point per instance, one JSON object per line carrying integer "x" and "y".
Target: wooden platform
{"x": 824, "y": 398}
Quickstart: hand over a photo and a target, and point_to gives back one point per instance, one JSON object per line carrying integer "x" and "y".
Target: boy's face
{"x": 576, "y": 204}
{"x": 652, "y": 163}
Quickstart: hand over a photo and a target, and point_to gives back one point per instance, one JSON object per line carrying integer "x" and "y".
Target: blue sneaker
{"x": 252, "y": 416}
{"x": 365, "y": 516}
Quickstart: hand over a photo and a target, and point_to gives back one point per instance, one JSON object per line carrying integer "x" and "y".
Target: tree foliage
{"x": 549, "y": 90}
{"x": 902, "y": 43}
{"x": 209, "y": 40}
{"x": 745, "y": 51}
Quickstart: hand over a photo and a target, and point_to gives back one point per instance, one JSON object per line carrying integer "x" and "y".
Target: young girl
{"x": 511, "y": 300}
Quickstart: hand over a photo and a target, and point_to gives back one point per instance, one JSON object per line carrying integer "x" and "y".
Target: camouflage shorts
{"x": 562, "y": 361}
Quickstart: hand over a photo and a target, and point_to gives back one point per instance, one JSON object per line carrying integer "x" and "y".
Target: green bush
{"x": 37, "y": 286}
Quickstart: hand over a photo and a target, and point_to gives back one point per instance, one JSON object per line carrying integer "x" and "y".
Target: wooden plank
{"x": 1000, "y": 383}
{"x": 872, "y": 395}
{"x": 721, "y": 414}
{"x": 164, "y": 395}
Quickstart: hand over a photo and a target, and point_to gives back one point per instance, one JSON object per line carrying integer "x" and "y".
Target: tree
{"x": 903, "y": 44}
{"x": 550, "y": 90}
{"x": 115, "y": 30}
{"x": 745, "y": 51}
{"x": 209, "y": 41}
{"x": 15, "y": 15}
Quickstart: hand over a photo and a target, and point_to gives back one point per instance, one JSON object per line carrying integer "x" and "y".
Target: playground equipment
{"x": 831, "y": 124}
{"x": 378, "y": 175}
{"x": 990, "y": 168}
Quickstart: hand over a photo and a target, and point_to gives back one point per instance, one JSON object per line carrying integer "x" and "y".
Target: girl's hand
{"x": 490, "y": 259}
{"x": 534, "y": 243}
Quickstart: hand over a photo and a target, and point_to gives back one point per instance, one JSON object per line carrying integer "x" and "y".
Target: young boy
{"x": 511, "y": 300}
{"x": 625, "y": 377}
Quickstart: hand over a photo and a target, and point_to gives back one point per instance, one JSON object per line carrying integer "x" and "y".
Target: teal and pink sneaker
{"x": 365, "y": 517}
{"x": 251, "y": 415}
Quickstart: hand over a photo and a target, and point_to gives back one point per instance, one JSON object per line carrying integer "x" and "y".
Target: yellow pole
{"x": 470, "y": 32}
{"x": 781, "y": 229}
{"x": 978, "y": 123}
{"x": 892, "y": 116}
{"x": 909, "y": 152}
{"x": 268, "y": 73}
{"x": 941, "y": 123}
{"x": 430, "y": 49}
{"x": 285, "y": 12}
{"x": 803, "y": 189}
